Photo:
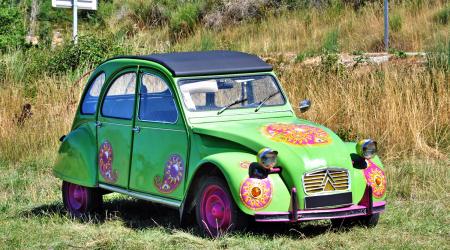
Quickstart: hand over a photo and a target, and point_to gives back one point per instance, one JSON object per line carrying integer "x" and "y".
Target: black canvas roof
{"x": 207, "y": 62}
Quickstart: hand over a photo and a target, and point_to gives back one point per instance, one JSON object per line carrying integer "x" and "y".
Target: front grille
{"x": 326, "y": 180}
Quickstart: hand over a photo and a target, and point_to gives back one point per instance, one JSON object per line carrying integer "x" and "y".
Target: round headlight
{"x": 366, "y": 148}
{"x": 267, "y": 157}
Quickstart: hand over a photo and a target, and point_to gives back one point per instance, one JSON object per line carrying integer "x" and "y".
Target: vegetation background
{"x": 404, "y": 104}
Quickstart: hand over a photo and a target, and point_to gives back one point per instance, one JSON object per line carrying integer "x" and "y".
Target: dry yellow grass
{"x": 306, "y": 30}
{"x": 404, "y": 107}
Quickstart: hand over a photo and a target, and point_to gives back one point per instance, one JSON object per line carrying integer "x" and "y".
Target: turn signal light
{"x": 256, "y": 191}
{"x": 378, "y": 181}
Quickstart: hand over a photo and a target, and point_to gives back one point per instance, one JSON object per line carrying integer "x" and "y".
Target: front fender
{"x": 77, "y": 158}
{"x": 359, "y": 173}
{"x": 234, "y": 166}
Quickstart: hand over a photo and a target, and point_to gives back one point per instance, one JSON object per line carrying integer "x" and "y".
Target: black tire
{"x": 342, "y": 223}
{"x": 214, "y": 198}
{"x": 367, "y": 221}
{"x": 81, "y": 202}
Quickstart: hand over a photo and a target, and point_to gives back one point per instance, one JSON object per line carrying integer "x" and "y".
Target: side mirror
{"x": 304, "y": 105}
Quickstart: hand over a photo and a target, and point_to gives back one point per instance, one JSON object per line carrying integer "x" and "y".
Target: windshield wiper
{"x": 231, "y": 104}
{"x": 265, "y": 100}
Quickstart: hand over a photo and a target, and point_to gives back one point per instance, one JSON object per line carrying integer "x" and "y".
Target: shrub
{"x": 236, "y": 11}
{"x": 183, "y": 20}
{"x": 397, "y": 53}
{"x": 395, "y": 23}
{"x": 304, "y": 55}
{"x": 12, "y": 28}
{"x": 147, "y": 13}
{"x": 88, "y": 51}
{"x": 438, "y": 56}
{"x": 331, "y": 41}
{"x": 442, "y": 16}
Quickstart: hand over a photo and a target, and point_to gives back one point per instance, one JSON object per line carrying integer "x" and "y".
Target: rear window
{"x": 90, "y": 101}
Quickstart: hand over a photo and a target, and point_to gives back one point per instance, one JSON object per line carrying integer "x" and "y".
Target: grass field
{"x": 32, "y": 216}
{"x": 403, "y": 104}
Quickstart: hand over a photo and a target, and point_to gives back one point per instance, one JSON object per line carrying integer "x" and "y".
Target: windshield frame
{"x": 285, "y": 106}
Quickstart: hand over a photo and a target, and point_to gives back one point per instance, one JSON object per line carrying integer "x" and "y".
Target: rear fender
{"x": 77, "y": 158}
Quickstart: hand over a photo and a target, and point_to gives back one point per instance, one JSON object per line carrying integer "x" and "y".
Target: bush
{"x": 304, "y": 55}
{"x": 442, "y": 16}
{"x": 331, "y": 41}
{"x": 147, "y": 13}
{"x": 438, "y": 56}
{"x": 183, "y": 20}
{"x": 12, "y": 28}
{"x": 236, "y": 11}
{"x": 395, "y": 23}
{"x": 88, "y": 51}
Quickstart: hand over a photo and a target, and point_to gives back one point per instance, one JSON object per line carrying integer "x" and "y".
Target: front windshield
{"x": 219, "y": 93}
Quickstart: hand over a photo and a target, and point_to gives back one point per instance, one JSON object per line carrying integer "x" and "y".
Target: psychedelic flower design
{"x": 256, "y": 193}
{"x": 105, "y": 158}
{"x": 173, "y": 175}
{"x": 296, "y": 134}
{"x": 376, "y": 179}
{"x": 245, "y": 164}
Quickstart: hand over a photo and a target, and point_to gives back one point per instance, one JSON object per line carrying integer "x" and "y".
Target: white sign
{"x": 81, "y": 4}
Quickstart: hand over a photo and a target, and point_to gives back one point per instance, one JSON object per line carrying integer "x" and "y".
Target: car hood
{"x": 302, "y": 145}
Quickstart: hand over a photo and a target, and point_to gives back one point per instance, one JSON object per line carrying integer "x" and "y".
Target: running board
{"x": 142, "y": 196}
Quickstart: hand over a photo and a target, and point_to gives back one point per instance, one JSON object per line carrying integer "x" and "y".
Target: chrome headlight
{"x": 366, "y": 148}
{"x": 267, "y": 157}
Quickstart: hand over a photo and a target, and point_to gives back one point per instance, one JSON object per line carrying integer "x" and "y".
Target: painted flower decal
{"x": 296, "y": 134}
{"x": 105, "y": 158}
{"x": 376, "y": 179}
{"x": 245, "y": 164}
{"x": 173, "y": 175}
{"x": 256, "y": 193}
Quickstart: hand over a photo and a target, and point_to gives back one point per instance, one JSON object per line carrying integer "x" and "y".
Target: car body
{"x": 173, "y": 141}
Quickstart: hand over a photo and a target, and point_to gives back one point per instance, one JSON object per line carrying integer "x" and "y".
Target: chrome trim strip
{"x": 163, "y": 201}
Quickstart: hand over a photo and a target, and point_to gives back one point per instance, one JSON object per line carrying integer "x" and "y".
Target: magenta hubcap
{"x": 215, "y": 208}
{"x": 77, "y": 198}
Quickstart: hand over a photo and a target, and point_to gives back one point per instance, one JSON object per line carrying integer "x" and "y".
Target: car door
{"x": 160, "y": 141}
{"x": 114, "y": 129}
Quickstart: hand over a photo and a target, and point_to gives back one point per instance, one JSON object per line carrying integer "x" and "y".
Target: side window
{"x": 156, "y": 102}
{"x": 119, "y": 100}
{"x": 90, "y": 100}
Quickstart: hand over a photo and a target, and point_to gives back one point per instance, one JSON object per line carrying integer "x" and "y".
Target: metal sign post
{"x": 75, "y": 21}
{"x": 75, "y": 5}
{"x": 386, "y": 25}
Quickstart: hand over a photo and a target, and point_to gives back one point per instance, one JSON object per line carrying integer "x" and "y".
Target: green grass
{"x": 32, "y": 216}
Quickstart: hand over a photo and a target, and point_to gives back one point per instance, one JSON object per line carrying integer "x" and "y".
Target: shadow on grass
{"x": 139, "y": 215}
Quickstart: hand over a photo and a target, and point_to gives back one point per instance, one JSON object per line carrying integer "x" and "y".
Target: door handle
{"x": 98, "y": 124}
{"x": 136, "y": 129}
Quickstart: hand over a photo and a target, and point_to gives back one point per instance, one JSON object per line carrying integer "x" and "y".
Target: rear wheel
{"x": 81, "y": 201}
{"x": 216, "y": 212}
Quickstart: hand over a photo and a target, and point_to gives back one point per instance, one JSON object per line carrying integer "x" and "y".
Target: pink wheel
{"x": 216, "y": 211}
{"x": 215, "y": 208}
{"x": 79, "y": 200}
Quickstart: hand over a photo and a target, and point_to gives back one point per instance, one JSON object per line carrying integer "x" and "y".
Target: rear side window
{"x": 90, "y": 101}
{"x": 119, "y": 100}
{"x": 156, "y": 102}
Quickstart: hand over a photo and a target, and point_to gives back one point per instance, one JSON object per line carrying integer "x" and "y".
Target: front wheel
{"x": 368, "y": 221}
{"x": 81, "y": 201}
{"x": 216, "y": 212}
